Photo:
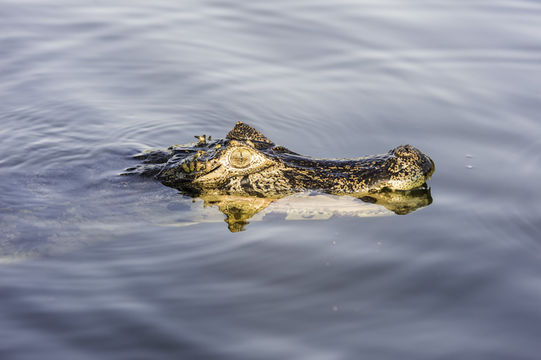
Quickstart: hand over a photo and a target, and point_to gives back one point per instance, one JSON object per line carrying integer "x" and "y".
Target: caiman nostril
{"x": 404, "y": 151}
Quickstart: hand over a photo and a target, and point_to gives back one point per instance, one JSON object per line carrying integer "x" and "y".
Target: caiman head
{"x": 248, "y": 163}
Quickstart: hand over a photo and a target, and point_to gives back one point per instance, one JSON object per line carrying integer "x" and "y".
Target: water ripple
{"x": 86, "y": 85}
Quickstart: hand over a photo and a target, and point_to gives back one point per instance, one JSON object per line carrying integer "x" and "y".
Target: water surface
{"x": 95, "y": 265}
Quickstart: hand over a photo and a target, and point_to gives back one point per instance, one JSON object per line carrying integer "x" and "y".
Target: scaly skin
{"x": 247, "y": 163}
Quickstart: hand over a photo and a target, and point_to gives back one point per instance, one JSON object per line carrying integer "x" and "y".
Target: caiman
{"x": 247, "y": 163}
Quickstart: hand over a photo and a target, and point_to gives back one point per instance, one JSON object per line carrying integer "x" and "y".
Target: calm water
{"x": 97, "y": 266}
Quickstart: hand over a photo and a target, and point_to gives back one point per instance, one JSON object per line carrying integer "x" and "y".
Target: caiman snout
{"x": 412, "y": 155}
{"x": 408, "y": 168}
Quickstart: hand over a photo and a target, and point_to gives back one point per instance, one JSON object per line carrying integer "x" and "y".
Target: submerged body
{"x": 247, "y": 163}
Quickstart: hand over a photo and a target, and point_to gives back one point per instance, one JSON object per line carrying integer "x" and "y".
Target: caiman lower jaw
{"x": 406, "y": 185}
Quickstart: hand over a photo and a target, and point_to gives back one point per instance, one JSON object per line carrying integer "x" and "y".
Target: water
{"x": 98, "y": 266}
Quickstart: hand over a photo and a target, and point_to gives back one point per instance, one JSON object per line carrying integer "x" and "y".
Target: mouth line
{"x": 200, "y": 172}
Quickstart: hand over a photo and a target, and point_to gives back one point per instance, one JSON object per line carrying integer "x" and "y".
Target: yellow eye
{"x": 240, "y": 158}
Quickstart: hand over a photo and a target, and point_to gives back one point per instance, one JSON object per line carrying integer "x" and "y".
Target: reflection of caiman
{"x": 312, "y": 206}
{"x": 247, "y": 164}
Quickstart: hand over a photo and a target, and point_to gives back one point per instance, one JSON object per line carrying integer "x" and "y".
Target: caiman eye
{"x": 240, "y": 158}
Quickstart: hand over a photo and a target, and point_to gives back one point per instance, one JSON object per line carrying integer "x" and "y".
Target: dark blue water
{"x": 99, "y": 266}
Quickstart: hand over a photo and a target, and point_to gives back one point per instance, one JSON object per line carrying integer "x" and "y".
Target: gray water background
{"x": 92, "y": 268}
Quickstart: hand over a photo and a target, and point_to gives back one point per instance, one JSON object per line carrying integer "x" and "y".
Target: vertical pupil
{"x": 240, "y": 158}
